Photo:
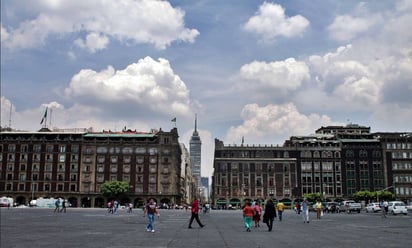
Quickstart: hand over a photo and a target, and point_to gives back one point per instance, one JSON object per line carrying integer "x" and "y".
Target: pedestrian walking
{"x": 297, "y": 207}
{"x": 150, "y": 210}
{"x": 318, "y": 207}
{"x": 270, "y": 214}
{"x": 195, "y": 213}
{"x": 280, "y": 207}
{"x": 63, "y": 209}
{"x": 248, "y": 216}
{"x": 57, "y": 206}
{"x": 110, "y": 207}
{"x": 116, "y": 206}
{"x": 305, "y": 210}
{"x": 257, "y": 212}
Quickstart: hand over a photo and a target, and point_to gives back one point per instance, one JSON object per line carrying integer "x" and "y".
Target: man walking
{"x": 280, "y": 206}
{"x": 270, "y": 214}
{"x": 318, "y": 209}
{"x": 305, "y": 211}
{"x": 57, "y": 206}
{"x": 195, "y": 213}
{"x": 63, "y": 209}
{"x": 151, "y": 210}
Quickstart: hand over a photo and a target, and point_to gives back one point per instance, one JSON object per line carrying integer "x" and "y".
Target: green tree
{"x": 114, "y": 188}
{"x": 385, "y": 195}
{"x": 364, "y": 195}
{"x": 312, "y": 197}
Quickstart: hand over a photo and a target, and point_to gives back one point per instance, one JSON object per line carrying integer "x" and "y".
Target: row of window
{"x": 392, "y": 146}
{"x": 36, "y": 167}
{"x": 253, "y": 167}
{"x": 319, "y": 154}
{"x": 403, "y": 179}
{"x": 126, "y": 159}
{"x": 255, "y": 154}
{"x": 35, "y": 187}
{"x": 22, "y": 177}
{"x": 326, "y": 166}
{"x": 126, "y": 150}
{"x": 363, "y": 154}
{"x": 403, "y": 191}
{"x": 402, "y": 166}
{"x": 307, "y": 178}
{"x": 402, "y": 155}
{"x": 37, "y": 148}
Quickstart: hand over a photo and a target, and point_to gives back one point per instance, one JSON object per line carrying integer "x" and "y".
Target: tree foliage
{"x": 312, "y": 197}
{"x": 114, "y": 188}
{"x": 365, "y": 195}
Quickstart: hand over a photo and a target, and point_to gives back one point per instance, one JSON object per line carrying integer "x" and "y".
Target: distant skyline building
{"x": 195, "y": 152}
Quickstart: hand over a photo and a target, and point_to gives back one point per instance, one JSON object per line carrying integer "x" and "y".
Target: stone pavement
{"x": 31, "y": 227}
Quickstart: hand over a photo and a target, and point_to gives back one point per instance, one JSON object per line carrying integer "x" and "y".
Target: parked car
{"x": 332, "y": 207}
{"x": 397, "y": 207}
{"x": 409, "y": 206}
{"x": 373, "y": 207}
{"x": 351, "y": 206}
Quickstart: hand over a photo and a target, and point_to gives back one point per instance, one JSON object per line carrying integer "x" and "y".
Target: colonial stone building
{"x": 336, "y": 161}
{"x": 75, "y": 165}
{"x": 252, "y": 173}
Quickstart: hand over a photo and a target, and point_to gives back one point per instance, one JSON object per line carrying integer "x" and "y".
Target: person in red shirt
{"x": 247, "y": 216}
{"x": 195, "y": 213}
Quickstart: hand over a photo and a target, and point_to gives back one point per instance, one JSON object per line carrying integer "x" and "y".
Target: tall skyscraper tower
{"x": 195, "y": 152}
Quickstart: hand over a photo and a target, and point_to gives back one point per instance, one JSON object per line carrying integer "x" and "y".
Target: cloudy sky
{"x": 262, "y": 70}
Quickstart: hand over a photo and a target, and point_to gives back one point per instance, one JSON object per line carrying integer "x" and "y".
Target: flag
{"x": 44, "y": 116}
{"x": 173, "y": 120}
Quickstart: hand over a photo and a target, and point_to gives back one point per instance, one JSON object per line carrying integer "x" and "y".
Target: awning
{"x": 221, "y": 201}
{"x": 235, "y": 201}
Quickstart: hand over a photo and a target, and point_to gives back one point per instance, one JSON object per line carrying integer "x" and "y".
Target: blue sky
{"x": 262, "y": 70}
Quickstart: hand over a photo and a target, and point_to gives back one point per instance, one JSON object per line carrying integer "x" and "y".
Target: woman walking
{"x": 247, "y": 216}
{"x": 257, "y": 212}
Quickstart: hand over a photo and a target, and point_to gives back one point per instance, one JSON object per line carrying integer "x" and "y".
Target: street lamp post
{"x": 377, "y": 192}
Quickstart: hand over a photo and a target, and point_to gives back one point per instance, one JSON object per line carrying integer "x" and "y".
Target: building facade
{"x": 336, "y": 161}
{"x": 252, "y": 173}
{"x": 75, "y": 165}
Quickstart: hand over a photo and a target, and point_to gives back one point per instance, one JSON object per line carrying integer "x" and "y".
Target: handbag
{"x": 265, "y": 218}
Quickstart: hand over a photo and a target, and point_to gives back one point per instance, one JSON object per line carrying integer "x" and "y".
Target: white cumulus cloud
{"x": 130, "y": 21}
{"x": 93, "y": 42}
{"x": 280, "y": 75}
{"x": 270, "y": 22}
{"x": 274, "y": 123}
{"x": 147, "y": 84}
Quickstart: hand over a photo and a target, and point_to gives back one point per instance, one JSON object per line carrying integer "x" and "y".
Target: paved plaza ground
{"x": 31, "y": 227}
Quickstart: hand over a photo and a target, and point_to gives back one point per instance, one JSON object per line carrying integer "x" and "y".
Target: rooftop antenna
{"x": 195, "y": 132}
